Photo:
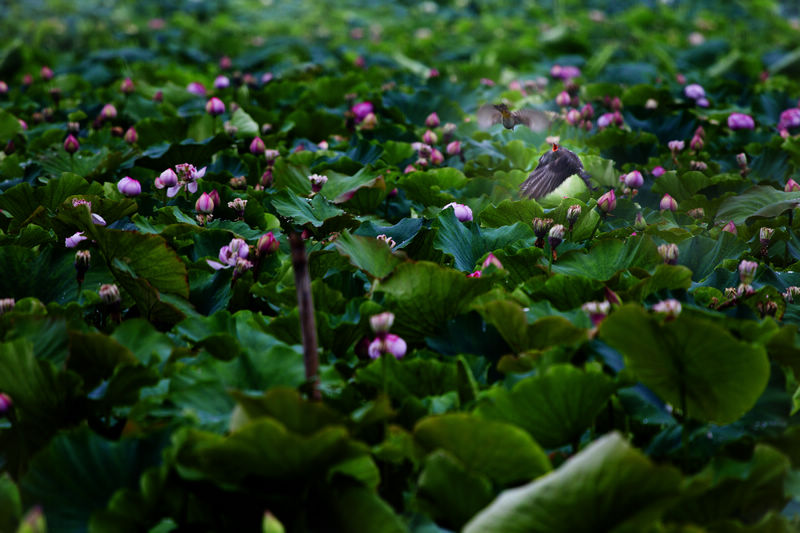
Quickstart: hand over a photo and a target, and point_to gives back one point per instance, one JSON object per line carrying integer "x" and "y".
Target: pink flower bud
{"x": 730, "y": 227}
{"x": 381, "y": 322}
{"x": 108, "y": 112}
{"x": 131, "y": 136}
{"x": 792, "y": 186}
{"x": 5, "y": 399}
{"x": 605, "y": 120}
{"x": 71, "y": 144}
{"x": 409, "y": 169}
{"x": 158, "y": 96}
{"x": 741, "y": 160}
{"x": 702, "y": 102}
{"x": 668, "y": 203}
{"x": 563, "y": 99}
{"x": 267, "y": 244}
{"x": 46, "y": 73}
{"x": 658, "y": 171}
{"x": 587, "y": 111}
{"x": 196, "y": 89}
{"x": 126, "y": 87}
{"x": 491, "y": 259}
{"x": 747, "y": 272}
{"x": 361, "y": 110}
{"x": 3, "y": 87}
{"x": 789, "y": 118}
{"x": 634, "y": 179}
{"x": 109, "y": 294}
{"x": 129, "y": 186}
{"x": 463, "y": 212}
{"x": 676, "y": 146}
{"x": 740, "y": 121}
{"x": 222, "y": 82}
{"x": 573, "y": 117}
{"x": 204, "y": 204}
{"x": 225, "y": 63}
{"x": 694, "y": 91}
{"x": 432, "y": 121}
{"x": 607, "y": 202}
{"x": 215, "y": 107}
{"x": 27, "y": 79}
{"x": 436, "y": 157}
{"x": 257, "y": 147}
{"x": 696, "y": 143}
{"x": 387, "y": 343}
{"x": 369, "y": 122}
{"x": 454, "y": 148}
{"x": 429, "y": 138}
{"x": 616, "y": 103}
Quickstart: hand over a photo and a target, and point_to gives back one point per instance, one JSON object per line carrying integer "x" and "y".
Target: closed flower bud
{"x": 158, "y": 96}
{"x": 669, "y": 253}
{"x": 491, "y": 259}
{"x": 3, "y": 87}
{"x": 792, "y": 186}
{"x": 317, "y": 182}
{"x": 6, "y": 305}
{"x": 454, "y": 148}
{"x": 639, "y": 222}
{"x": 634, "y": 179}
{"x": 215, "y": 106}
{"x": 131, "y": 136}
{"x": 694, "y": 91}
{"x": 765, "y": 235}
{"x": 573, "y": 117}
{"x": 668, "y": 203}
{"x": 108, "y": 112}
{"x": 222, "y": 82}
{"x": 257, "y": 147}
{"x": 5, "y": 402}
{"x": 381, "y": 322}
{"x": 429, "y": 137}
{"x": 541, "y": 226}
{"x": 607, "y": 202}
{"x": 225, "y": 63}
{"x": 587, "y": 111}
{"x": 387, "y": 343}
{"x": 730, "y": 227}
{"x": 71, "y": 144}
{"x": 573, "y": 214}
{"x": 204, "y": 204}
{"x": 696, "y": 143}
{"x": 196, "y": 89}
{"x": 267, "y": 244}
{"x": 657, "y": 171}
{"x": 475, "y": 274}
{"x": 651, "y": 103}
{"x": 563, "y": 99}
{"x": 463, "y": 212}
{"x": 168, "y": 178}
{"x": 555, "y": 236}
{"x": 676, "y": 146}
{"x": 436, "y": 157}
{"x": 126, "y": 87}
{"x": 369, "y": 122}
{"x": 432, "y": 120}
{"x": 747, "y": 272}
{"x": 671, "y": 308}
{"x": 129, "y": 186}
{"x": 46, "y": 73}
{"x": 740, "y": 121}
{"x": 741, "y": 160}
{"x": 109, "y": 294}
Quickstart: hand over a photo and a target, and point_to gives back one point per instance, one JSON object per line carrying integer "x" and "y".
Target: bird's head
{"x": 503, "y": 109}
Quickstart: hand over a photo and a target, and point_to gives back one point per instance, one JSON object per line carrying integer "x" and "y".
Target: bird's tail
{"x": 585, "y": 176}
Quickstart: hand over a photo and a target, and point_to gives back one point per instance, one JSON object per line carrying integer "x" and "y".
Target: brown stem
{"x": 305, "y": 304}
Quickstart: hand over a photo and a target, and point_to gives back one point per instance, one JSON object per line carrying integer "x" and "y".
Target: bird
{"x": 489, "y": 114}
{"x": 555, "y": 166}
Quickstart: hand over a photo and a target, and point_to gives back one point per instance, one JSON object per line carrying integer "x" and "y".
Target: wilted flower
{"x": 747, "y": 271}
{"x": 555, "y": 236}
{"x": 196, "y": 89}
{"x": 791, "y": 293}
{"x": 597, "y": 311}
{"x": 694, "y": 91}
{"x": 109, "y": 294}
{"x": 71, "y": 144}
{"x": 131, "y": 136}
{"x": 222, "y": 82}
{"x": 382, "y": 322}
{"x": 267, "y": 244}
{"x": 126, "y": 86}
{"x": 387, "y": 343}
{"x": 204, "y": 204}
{"x": 765, "y": 235}
{"x": 257, "y": 147}
{"x": 658, "y": 171}
{"x": 740, "y": 121}
{"x": 242, "y": 265}
{"x": 73, "y": 240}
{"x": 792, "y": 186}
{"x": 541, "y": 226}
{"x": 463, "y": 212}
{"x": 671, "y": 308}
{"x": 634, "y": 179}
{"x": 215, "y": 106}
{"x": 744, "y": 289}
{"x": 669, "y": 253}
{"x": 573, "y": 214}
{"x": 697, "y": 213}
{"x": 388, "y": 240}
{"x": 668, "y": 203}
{"x": 238, "y": 205}
{"x": 6, "y": 305}
{"x": 96, "y": 219}
{"x": 129, "y": 186}
{"x": 432, "y": 120}
{"x": 230, "y": 253}
{"x": 607, "y": 202}
{"x": 317, "y": 181}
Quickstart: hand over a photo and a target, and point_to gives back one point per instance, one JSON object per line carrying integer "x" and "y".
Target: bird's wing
{"x": 542, "y": 181}
{"x": 488, "y": 116}
{"x": 534, "y": 119}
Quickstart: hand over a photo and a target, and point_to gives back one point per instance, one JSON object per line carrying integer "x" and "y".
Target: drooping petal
{"x": 172, "y": 191}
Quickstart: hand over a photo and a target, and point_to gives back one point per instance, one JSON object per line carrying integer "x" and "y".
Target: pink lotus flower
{"x": 131, "y": 136}
{"x": 222, "y": 82}
{"x": 387, "y": 343}
{"x": 257, "y": 147}
{"x": 267, "y": 244}
{"x": 694, "y": 91}
{"x": 429, "y": 138}
{"x": 634, "y": 179}
{"x": 382, "y": 322}
{"x": 196, "y": 89}
{"x": 454, "y": 148}
{"x": 432, "y": 120}
{"x": 204, "y": 204}
{"x": 740, "y": 121}
{"x": 676, "y": 146}
{"x": 108, "y": 112}
{"x": 563, "y": 99}
{"x": 658, "y": 171}
{"x": 436, "y": 157}
{"x": 792, "y": 186}
{"x": 129, "y": 186}
{"x": 186, "y": 174}
{"x": 573, "y": 117}
{"x": 789, "y": 118}
{"x": 71, "y": 144}
{"x": 607, "y": 202}
{"x": 668, "y": 203}
{"x": 215, "y": 107}
{"x": 566, "y": 72}
{"x": 168, "y": 178}
{"x": 46, "y": 73}
{"x": 463, "y": 212}
{"x": 730, "y": 227}
{"x": 230, "y": 254}
{"x": 361, "y": 110}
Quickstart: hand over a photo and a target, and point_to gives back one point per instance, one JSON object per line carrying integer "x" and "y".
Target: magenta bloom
{"x": 108, "y": 112}
{"x": 131, "y": 136}
{"x": 267, "y": 244}
{"x": 196, "y": 88}
{"x": 361, "y": 110}
{"x": 187, "y": 175}
{"x": 790, "y": 118}
{"x": 215, "y": 107}
{"x": 126, "y": 86}
{"x": 607, "y": 202}
{"x": 563, "y": 99}
{"x": 634, "y": 179}
{"x": 387, "y": 343}
{"x": 230, "y": 254}
{"x": 222, "y": 82}
{"x": 694, "y": 91}
{"x": 566, "y": 72}
{"x": 257, "y": 147}
{"x": 71, "y": 144}
{"x": 129, "y": 186}
{"x": 574, "y": 117}
{"x": 168, "y": 178}
{"x": 463, "y": 212}
{"x": 658, "y": 171}
{"x": 740, "y": 121}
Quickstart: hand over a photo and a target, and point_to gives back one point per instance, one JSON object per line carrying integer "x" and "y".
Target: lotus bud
{"x": 475, "y": 274}
{"x": 27, "y": 79}
{"x": 271, "y": 155}
{"x": 744, "y": 289}
{"x": 267, "y": 244}
{"x": 196, "y": 89}
{"x": 168, "y": 178}
{"x": 382, "y": 322}
{"x": 108, "y": 112}
{"x": 740, "y": 121}
{"x": 730, "y": 227}
{"x": 214, "y": 195}
{"x": 491, "y": 259}
{"x": 204, "y": 204}
{"x": 454, "y": 148}
{"x": 573, "y": 214}
{"x": 671, "y": 307}
{"x": 697, "y": 213}
{"x": 694, "y": 91}
{"x": 651, "y": 103}
{"x": 436, "y": 157}
{"x": 369, "y": 122}
{"x": 634, "y": 179}
{"x": 387, "y": 343}
{"x": 409, "y": 169}
{"x": 6, "y": 305}
{"x": 388, "y": 240}
{"x": 225, "y": 63}
{"x": 257, "y": 147}
{"x": 158, "y": 96}
{"x": 698, "y": 165}
{"x": 541, "y": 226}
{"x": 696, "y": 143}
{"x": 607, "y": 202}
{"x": 432, "y": 121}
{"x": 463, "y": 212}
{"x": 46, "y": 73}
{"x": 71, "y": 144}
{"x": 266, "y": 178}
{"x": 657, "y": 171}
{"x": 669, "y": 253}
{"x": 639, "y": 223}
{"x": 5, "y": 401}
{"x": 3, "y": 87}
{"x": 597, "y": 311}
{"x": 317, "y": 182}
{"x": 222, "y": 82}
{"x": 587, "y": 111}
{"x": 676, "y": 146}
{"x": 563, "y": 99}
{"x": 573, "y": 117}
{"x": 668, "y": 203}
{"x": 215, "y": 107}
{"x": 555, "y": 236}
{"x": 131, "y": 136}
{"x": 323, "y": 144}
{"x": 764, "y": 236}
{"x": 126, "y": 86}
{"x": 429, "y": 138}
{"x": 109, "y": 294}
{"x": 129, "y": 186}
{"x": 792, "y": 186}
{"x": 741, "y": 160}
{"x": 747, "y": 272}
{"x": 616, "y": 103}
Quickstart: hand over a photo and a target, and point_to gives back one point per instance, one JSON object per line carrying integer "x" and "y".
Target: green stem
{"x": 599, "y": 221}
{"x": 789, "y": 233}
{"x": 549, "y": 258}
